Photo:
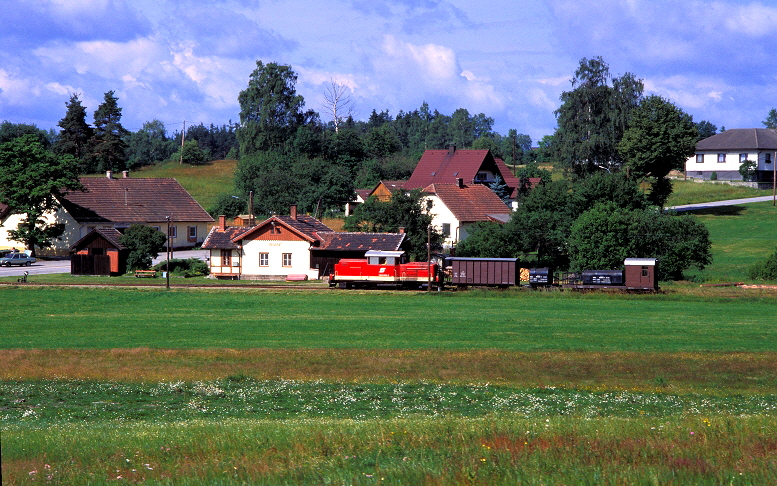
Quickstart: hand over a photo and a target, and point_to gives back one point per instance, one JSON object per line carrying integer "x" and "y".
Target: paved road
{"x": 716, "y": 204}
{"x": 63, "y": 265}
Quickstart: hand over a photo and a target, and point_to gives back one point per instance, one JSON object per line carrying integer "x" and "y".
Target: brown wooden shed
{"x": 641, "y": 273}
{"x": 99, "y": 253}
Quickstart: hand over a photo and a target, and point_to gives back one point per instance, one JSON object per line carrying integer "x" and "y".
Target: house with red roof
{"x": 117, "y": 203}
{"x": 280, "y": 247}
{"x": 471, "y": 166}
{"x": 457, "y": 207}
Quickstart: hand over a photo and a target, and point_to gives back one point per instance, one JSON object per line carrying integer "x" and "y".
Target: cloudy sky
{"x": 177, "y": 60}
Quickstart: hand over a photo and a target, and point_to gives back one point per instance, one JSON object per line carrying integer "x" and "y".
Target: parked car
{"x": 17, "y": 259}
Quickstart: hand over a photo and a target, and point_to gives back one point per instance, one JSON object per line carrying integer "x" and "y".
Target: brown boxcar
{"x": 500, "y": 272}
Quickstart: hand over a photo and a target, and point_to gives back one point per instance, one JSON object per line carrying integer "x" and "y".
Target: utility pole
{"x": 429, "y": 258}
{"x": 183, "y": 137}
{"x": 167, "y": 250}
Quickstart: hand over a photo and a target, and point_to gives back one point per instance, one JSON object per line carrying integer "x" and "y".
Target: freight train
{"x": 388, "y": 269}
{"x": 637, "y": 275}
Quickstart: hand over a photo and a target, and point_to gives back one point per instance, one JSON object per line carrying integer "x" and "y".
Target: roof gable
{"x": 445, "y": 166}
{"x": 304, "y": 226}
{"x": 223, "y": 239}
{"x": 470, "y": 203}
{"x": 111, "y": 235}
{"x": 740, "y": 139}
{"x": 132, "y": 200}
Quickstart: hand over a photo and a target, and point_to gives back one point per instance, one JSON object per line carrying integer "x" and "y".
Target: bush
{"x": 766, "y": 270}
{"x": 748, "y": 169}
{"x": 714, "y": 176}
{"x": 191, "y": 267}
{"x": 144, "y": 243}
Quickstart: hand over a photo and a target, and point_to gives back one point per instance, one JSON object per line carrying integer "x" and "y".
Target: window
{"x": 742, "y": 158}
{"x": 264, "y": 259}
{"x": 157, "y": 228}
{"x": 768, "y": 158}
{"x": 173, "y": 232}
{"x": 191, "y": 231}
{"x": 481, "y": 176}
{"x": 721, "y": 158}
{"x": 226, "y": 258}
{"x": 699, "y": 158}
{"x": 446, "y": 229}
{"x": 287, "y": 259}
{"x": 645, "y": 272}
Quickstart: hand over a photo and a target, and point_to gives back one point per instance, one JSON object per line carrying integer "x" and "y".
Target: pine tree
{"x": 108, "y": 151}
{"x": 75, "y": 135}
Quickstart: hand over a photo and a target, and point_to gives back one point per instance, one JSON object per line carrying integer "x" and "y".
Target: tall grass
{"x": 499, "y": 449}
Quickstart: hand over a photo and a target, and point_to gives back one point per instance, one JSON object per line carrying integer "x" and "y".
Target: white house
{"x": 724, "y": 152}
{"x": 457, "y": 207}
{"x": 283, "y": 246}
{"x": 108, "y": 202}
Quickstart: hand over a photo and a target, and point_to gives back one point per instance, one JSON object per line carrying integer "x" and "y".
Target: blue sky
{"x": 188, "y": 60}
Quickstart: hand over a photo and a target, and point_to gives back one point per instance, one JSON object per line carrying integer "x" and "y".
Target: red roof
{"x": 470, "y": 203}
{"x": 132, "y": 200}
{"x": 445, "y": 166}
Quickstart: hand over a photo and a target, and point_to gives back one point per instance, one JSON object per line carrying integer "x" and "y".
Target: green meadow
{"x": 520, "y": 320}
{"x": 235, "y": 386}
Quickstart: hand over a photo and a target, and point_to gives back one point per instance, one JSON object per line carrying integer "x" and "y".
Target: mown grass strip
{"x": 53, "y": 318}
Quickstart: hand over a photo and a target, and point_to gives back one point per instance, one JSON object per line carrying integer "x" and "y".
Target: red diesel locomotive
{"x": 384, "y": 268}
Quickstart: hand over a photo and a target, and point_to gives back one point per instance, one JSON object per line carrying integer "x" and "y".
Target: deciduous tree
{"x": 593, "y": 117}
{"x": 144, "y": 244}
{"x": 32, "y": 181}
{"x": 270, "y": 109}
{"x": 659, "y": 139}
{"x": 771, "y": 119}
{"x": 404, "y": 210}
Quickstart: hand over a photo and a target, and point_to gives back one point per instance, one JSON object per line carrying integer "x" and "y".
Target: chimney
{"x": 125, "y": 174}
{"x": 293, "y": 211}
{"x": 459, "y": 182}
{"x": 109, "y": 174}
{"x": 451, "y": 149}
{"x": 401, "y": 230}
{"x": 222, "y": 222}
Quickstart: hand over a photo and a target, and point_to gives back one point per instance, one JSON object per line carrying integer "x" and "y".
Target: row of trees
{"x": 107, "y": 145}
{"x": 594, "y": 222}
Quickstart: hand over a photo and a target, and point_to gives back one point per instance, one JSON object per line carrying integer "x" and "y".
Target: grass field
{"x": 204, "y": 182}
{"x": 741, "y": 235}
{"x": 321, "y": 386}
{"x": 687, "y": 192}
